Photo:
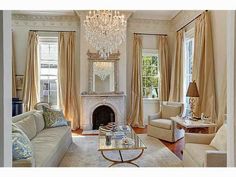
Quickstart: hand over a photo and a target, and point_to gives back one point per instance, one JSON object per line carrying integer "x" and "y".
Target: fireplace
{"x": 102, "y": 115}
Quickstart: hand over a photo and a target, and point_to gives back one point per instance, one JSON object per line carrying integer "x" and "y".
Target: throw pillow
{"x": 219, "y": 141}
{"x": 21, "y": 145}
{"x": 168, "y": 111}
{"x": 53, "y": 118}
{"x": 28, "y": 126}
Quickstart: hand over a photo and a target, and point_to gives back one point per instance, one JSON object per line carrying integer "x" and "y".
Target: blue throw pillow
{"x": 53, "y": 118}
{"x": 21, "y": 145}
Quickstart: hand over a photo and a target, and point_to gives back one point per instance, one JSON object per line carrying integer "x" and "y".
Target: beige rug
{"x": 83, "y": 153}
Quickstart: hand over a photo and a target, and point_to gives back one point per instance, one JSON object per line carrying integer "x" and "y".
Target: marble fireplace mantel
{"x": 89, "y": 102}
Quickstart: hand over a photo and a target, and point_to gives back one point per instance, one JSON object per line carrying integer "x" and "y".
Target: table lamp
{"x": 192, "y": 93}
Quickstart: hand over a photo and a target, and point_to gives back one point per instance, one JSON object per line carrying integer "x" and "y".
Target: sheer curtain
{"x": 67, "y": 82}
{"x": 136, "y": 113}
{"x": 31, "y": 80}
{"x": 176, "y": 85}
{"x": 164, "y": 68}
{"x": 203, "y": 67}
{"x": 14, "y": 93}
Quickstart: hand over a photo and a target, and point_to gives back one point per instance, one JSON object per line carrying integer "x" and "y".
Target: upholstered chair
{"x": 161, "y": 126}
{"x": 206, "y": 150}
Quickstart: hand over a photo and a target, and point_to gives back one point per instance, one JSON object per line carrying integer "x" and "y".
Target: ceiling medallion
{"x": 105, "y": 30}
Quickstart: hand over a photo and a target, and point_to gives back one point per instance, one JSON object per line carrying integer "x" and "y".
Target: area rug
{"x": 83, "y": 153}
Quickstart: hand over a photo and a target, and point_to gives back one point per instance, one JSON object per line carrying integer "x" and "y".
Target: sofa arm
{"x": 215, "y": 159}
{"x": 154, "y": 116}
{"x": 69, "y": 123}
{"x": 198, "y": 138}
{"x": 30, "y": 162}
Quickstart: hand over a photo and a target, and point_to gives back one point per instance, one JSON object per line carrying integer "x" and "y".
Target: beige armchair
{"x": 205, "y": 150}
{"x": 161, "y": 126}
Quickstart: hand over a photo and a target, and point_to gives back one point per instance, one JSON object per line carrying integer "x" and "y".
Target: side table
{"x": 191, "y": 126}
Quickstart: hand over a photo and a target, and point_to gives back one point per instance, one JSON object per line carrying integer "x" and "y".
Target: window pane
{"x": 150, "y": 72}
{"x": 48, "y": 70}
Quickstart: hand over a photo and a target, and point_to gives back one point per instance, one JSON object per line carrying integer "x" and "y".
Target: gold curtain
{"x": 164, "y": 68}
{"x": 14, "y": 93}
{"x": 176, "y": 85}
{"x": 30, "y": 89}
{"x": 136, "y": 112}
{"x": 223, "y": 99}
{"x": 67, "y": 82}
{"x": 203, "y": 67}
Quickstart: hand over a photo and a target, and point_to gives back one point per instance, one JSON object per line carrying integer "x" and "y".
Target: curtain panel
{"x": 164, "y": 68}
{"x": 66, "y": 76}
{"x": 203, "y": 67}
{"x": 176, "y": 85}
{"x": 31, "y": 80}
{"x": 136, "y": 113}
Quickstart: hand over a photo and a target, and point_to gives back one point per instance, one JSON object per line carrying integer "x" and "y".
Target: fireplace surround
{"x": 89, "y": 104}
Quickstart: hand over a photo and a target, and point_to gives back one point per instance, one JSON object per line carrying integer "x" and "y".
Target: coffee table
{"x": 117, "y": 145}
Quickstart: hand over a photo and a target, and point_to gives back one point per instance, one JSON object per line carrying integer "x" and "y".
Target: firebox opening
{"x": 102, "y": 115}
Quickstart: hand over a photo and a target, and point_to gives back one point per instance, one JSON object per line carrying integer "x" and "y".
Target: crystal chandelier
{"x": 105, "y": 30}
{"x": 103, "y": 69}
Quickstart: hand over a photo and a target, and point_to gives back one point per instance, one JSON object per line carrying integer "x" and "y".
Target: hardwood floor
{"x": 176, "y": 147}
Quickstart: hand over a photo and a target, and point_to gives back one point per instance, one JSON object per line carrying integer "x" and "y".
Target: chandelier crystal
{"x": 105, "y": 30}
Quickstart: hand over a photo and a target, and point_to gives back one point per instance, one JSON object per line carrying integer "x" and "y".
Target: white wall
{"x": 5, "y": 89}
{"x": 149, "y": 42}
{"x": 231, "y": 94}
{"x": 85, "y": 46}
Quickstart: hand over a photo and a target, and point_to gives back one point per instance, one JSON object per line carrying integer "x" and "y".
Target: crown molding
{"x": 45, "y": 21}
{"x": 45, "y": 17}
{"x": 183, "y": 17}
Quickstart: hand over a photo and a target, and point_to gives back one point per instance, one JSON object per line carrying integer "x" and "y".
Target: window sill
{"x": 151, "y": 99}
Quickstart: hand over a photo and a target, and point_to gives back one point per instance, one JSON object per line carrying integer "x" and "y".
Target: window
{"x": 150, "y": 73}
{"x": 188, "y": 64}
{"x": 48, "y": 54}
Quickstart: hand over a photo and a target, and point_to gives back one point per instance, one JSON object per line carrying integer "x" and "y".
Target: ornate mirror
{"x": 103, "y": 73}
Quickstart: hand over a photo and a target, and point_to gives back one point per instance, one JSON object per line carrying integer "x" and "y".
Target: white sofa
{"x": 49, "y": 145}
{"x": 205, "y": 150}
{"x": 161, "y": 126}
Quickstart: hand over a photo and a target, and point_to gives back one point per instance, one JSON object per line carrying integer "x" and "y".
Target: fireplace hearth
{"x": 102, "y": 115}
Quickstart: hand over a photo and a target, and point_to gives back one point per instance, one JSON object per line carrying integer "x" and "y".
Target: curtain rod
{"x": 151, "y": 34}
{"x": 49, "y": 31}
{"x": 190, "y": 22}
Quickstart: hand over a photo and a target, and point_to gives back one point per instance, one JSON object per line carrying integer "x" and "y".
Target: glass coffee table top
{"x": 117, "y": 142}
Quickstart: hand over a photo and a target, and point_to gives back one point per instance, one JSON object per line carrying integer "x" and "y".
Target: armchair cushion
{"x": 216, "y": 159}
{"x": 219, "y": 141}
{"x": 168, "y": 111}
{"x": 198, "y": 138}
{"x": 161, "y": 123}
{"x": 198, "y": 152}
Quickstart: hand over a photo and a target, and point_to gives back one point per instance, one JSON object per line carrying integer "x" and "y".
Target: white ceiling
{"x": 138, "y": 14}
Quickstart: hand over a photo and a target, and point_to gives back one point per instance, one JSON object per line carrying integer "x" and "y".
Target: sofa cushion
{"x": 39, "y": 121}
{"x": 28, "y": 126}
{"x": 53, "y": 118}
{"x": 219, "y": 141}
{"x": 198, "y": 152}
{"x": 21, "y": 145}
{"x": 168, "y": 111}
{"x": 161, "y": 123}
{"x": 47, "y": 142}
